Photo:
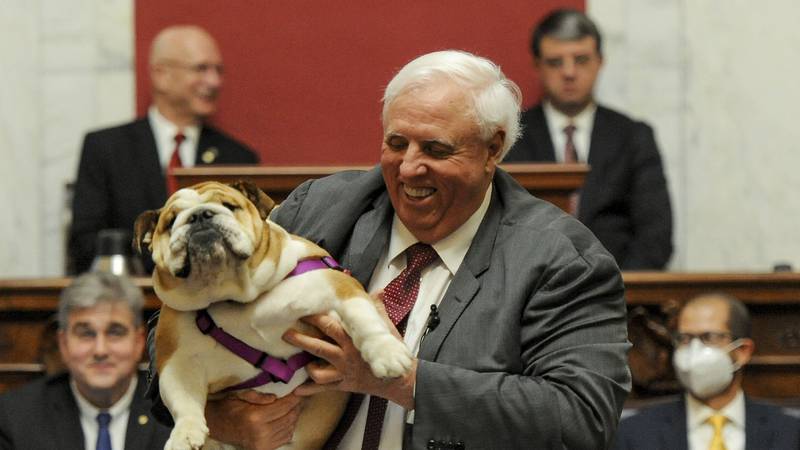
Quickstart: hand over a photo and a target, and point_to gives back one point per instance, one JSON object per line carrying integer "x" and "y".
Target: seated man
{"x": 624, "y": 200}
{"x": 712, "y": 346}
{"x": 526, "y": 346}
{"x": 99, "y": 403}
{"x": 126, "y": 169}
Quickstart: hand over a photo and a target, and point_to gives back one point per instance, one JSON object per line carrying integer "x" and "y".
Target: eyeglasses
{"x": 197, "y": 68}
{"x": 713, "y": 338}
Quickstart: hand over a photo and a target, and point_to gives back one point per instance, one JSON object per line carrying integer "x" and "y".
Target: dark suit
{"x": 624, "y": 200}
{"x": 120, "y": 176}
{"x": 664, "y": 427}
{"x": 531, "y": 348}
{"x": 44, "y": 415}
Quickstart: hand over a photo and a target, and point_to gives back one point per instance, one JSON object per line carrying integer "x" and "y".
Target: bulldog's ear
{"x": 143, "y": 230}
{"x": 263, "y": 203}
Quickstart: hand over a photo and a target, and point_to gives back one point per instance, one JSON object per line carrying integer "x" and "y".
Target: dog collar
{"x": 314, "y": 263}
{"x": 272, "y": 369}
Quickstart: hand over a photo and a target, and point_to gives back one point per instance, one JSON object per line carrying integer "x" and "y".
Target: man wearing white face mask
{"x": 712, "y": 344}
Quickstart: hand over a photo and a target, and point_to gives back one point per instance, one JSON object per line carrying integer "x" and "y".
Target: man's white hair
{"x": 496, "y": 100}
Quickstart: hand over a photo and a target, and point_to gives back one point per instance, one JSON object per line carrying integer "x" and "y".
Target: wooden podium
{"x": 551, "y": 182}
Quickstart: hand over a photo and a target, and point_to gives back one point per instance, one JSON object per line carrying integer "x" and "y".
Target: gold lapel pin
{"x": 143, "y": 419}
{"x": 209, "y": 155}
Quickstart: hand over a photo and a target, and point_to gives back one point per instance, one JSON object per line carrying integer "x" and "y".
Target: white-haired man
{"x": 518, "y": 325}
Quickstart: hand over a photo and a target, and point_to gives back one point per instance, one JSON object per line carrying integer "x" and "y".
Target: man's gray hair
{"x": 93, "y": 288}
{"x": 496, "y": 99}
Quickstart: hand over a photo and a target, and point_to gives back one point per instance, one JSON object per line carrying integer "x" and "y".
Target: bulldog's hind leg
{"x": 183, "y": 389}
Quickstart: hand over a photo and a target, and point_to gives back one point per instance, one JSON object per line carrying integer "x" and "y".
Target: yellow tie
{"x": 717, "y": 421}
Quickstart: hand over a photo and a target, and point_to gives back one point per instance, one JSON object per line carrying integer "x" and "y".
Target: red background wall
{"x": 304, "y": 78}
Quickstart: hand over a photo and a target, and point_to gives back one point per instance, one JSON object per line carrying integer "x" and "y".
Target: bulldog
{"x": 232, "y": 282}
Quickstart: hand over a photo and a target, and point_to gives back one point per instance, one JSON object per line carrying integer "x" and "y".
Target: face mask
{"x": 703, "y": 370}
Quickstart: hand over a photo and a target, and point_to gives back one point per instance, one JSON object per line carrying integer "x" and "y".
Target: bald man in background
{"x": 125, "y": 170}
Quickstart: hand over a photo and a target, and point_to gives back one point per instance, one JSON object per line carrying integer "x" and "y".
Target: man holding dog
{"x": 526, "y": 346}
{"x": 126, "y": 169}
{"x": 99, "y": 403}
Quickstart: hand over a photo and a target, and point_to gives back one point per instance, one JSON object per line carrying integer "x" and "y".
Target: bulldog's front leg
{"x": 184, "y": 389}
{"x": 387, "y": 356}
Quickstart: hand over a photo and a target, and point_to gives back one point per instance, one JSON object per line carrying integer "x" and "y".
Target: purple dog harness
{"x": 272, "y": 369}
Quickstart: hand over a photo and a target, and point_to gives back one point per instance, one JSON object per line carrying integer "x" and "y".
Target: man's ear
{"x": 143, "y": 230}
{"x": 262, "y": 201}
{"x": 744, "y": 352}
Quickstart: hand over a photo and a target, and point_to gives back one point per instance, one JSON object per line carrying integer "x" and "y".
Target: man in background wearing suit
{"x": 125, "y": 170}
{"x": 712, "y": 345}
{"x": 526, "y": 346}
{"x": 624, "y": 200}
{"x": 99, "y": 403}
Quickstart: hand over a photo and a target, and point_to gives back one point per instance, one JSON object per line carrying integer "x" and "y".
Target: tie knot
{"x": 419, "y": 256}
{"x": 718, "y": 421}
{"x": 569, "y": 130}
{"x": 179, "y": 138}
{"x": 103, "y": 419}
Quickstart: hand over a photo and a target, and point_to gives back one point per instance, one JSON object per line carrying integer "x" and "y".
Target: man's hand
{"x": 346, "y": 370}
{"x": 253, "y": 420}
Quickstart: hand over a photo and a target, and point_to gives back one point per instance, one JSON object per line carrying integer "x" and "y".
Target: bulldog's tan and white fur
{"x": 214, "y": 248}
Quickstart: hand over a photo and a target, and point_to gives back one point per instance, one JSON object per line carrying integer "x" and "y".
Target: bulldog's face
{"x": 203, "y": 234}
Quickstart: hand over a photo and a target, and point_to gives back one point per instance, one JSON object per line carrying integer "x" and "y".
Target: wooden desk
{"x": 26, "y": 306}
{"x": 551, "y": 182}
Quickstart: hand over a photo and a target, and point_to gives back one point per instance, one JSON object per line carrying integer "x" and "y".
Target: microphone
{"x": 433, "y": 319}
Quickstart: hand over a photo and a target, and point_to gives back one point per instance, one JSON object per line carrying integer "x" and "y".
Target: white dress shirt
{"x": 701, "y": 432}
{"x": 581, "y": 137}
{"x": 119, "y": 412}
{"x": 164, "y": 133}
{"x": 433, "y": 284}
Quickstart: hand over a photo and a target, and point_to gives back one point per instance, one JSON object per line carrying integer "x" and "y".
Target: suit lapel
{"x": 758, "y": 429}
{"x": 140, "y": 429}
{"x": 673, "y": 430}
{"x": 465, "y": 284}
{"x": 370, "y": 236}
{"x": 540, "y": 133}
{"x": 150, "y": 166}
{"x": 66, "y": 416}
{"x": 603, "y": 143}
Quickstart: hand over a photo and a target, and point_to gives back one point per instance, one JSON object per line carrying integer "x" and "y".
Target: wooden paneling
{"x": 551, "y": 182}
{"x": 26, "y": 307}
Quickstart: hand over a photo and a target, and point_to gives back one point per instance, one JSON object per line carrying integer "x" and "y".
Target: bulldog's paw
{"x": 387, "y": 356}
{"x": 188, "y": 434}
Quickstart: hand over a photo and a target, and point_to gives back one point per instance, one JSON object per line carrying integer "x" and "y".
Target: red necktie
{"x": 571, "y": 157}
{"x": 174, "y": 161}
{"x": 399, "y": 297}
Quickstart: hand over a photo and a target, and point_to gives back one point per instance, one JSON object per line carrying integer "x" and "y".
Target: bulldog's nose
{"x": 200, "y": 216}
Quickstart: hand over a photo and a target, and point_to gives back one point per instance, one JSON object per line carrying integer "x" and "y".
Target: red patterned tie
{"x": 174, "y": 161}
{"x": 398, "y": 299}
{"x": 571, "y": 157}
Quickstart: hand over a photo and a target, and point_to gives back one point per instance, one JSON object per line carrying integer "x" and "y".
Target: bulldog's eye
{"x": 230, "y": 206}
{"x": 171, "y": 222}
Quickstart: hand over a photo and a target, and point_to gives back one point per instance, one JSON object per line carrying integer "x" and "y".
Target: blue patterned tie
{"x": 103, "y": 437}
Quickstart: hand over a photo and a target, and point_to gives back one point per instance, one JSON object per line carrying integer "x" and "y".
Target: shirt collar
{"x": 558, "y": 120}
{"x": 697, "y": 412}
{"x": 163, "y": 127}
{"x": 453, "y": 248}
{"x": 89, "y": 410}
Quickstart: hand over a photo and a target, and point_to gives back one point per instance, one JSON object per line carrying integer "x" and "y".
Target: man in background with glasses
{"x": 127, "y": 169}
{"x": 712, "y": 345}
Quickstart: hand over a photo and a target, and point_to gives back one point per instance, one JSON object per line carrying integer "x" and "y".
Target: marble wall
{"x": 715, "y": 79}
{"x": 67, "y": 68}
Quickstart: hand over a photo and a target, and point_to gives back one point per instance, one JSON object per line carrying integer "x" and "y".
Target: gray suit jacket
{"x": 43, "y": 415}
{"x": 531, "y": 348}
